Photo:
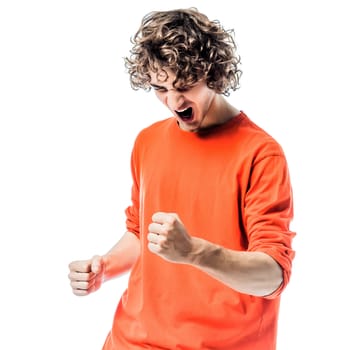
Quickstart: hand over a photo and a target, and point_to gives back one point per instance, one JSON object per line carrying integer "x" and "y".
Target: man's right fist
{"x": 86, "y": 276}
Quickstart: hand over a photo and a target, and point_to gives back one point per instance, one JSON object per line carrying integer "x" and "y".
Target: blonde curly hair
{"x": 188, "y": 44}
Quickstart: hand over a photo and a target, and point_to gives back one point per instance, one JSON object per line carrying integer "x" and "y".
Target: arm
{"x": 122, "y": 256}
{"x": 87, "y": 276}
{"x": 254, "y": 273}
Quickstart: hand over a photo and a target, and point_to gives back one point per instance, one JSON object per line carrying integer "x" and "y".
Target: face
{"x": 192, "y": 106}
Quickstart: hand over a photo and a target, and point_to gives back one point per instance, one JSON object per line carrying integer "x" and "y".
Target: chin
{"x": 188, "y": 128}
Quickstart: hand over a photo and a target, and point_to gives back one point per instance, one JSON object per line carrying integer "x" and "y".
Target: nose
{"x": 174, "y": 99}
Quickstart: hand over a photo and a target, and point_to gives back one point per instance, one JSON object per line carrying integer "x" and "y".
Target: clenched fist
{"x": 86, "y": 276}
{"x": 168, "y": 238}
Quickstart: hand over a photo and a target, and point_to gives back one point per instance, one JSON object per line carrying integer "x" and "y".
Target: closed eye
{"x": 158, "y": 88}
{"x": 179, "y": 89}
{"x": 183, "y": 89}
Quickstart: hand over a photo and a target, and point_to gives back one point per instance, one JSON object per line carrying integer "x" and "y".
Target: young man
{"x": 208, "y": 239}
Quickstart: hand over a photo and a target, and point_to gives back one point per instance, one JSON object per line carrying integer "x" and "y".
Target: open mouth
{"x": 185, "y": 114}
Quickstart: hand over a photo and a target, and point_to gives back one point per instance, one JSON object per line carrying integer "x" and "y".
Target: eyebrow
{"x": 158, "y": 86}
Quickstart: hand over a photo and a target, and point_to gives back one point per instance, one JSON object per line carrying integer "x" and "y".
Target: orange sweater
{"x": 230, "y": 186}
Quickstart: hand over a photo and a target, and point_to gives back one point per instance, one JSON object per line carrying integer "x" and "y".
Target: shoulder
{"x": 258, "y": 141}
{"x": 154, "y": 129}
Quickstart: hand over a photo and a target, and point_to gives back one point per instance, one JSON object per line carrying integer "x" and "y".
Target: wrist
{"x": 203, "y": 253}
{"x": 106, "y": 267}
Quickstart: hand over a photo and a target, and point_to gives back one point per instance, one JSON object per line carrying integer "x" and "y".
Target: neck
{"x": 222, "y": 111}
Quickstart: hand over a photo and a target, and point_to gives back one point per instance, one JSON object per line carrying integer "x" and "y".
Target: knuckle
{"x": 172, "y": 219}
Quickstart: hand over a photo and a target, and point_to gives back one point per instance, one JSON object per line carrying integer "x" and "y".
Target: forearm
{"x": 254, "y": 273}
{"x": 122, "y": 256}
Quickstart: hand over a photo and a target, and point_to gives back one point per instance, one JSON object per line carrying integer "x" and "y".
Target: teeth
{"x": 182, "y": 110}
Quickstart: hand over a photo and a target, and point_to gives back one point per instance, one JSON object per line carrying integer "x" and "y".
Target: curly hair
{"x": 187, "y": 43}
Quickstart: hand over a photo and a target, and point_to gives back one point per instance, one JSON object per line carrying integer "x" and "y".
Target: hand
{"x": 86, "y": 276}
{"x": 168, "y": 238}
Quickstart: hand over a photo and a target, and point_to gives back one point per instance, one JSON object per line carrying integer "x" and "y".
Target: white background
{"x": 68, "y": 121}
